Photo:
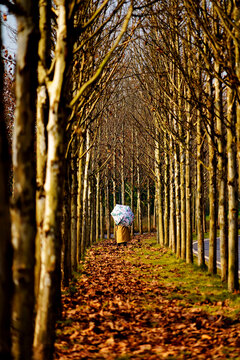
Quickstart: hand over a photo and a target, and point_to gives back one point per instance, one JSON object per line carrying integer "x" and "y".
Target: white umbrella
{"x": 122, "y": 215}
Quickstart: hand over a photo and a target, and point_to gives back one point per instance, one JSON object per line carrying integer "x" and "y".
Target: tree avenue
{"x": 129, "y": 101}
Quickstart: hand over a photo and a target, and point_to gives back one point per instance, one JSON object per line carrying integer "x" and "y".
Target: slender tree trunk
{"x": 139, "y": 205}
{"x": 79, "y": 201}
{"x": 6, "y": 281}
{"x": 233, "y": 283}
{"x": 107, "y": 207}
{"x": 97, "y": 205}
{"x": 114, "y": 182}
{"x": 148, "y": 206}
{"x": 93, "y": 211}
{"x": 154, "y": 210}
{"x": 159, "y": 208}
{"x": 212, "y": 263}
{"x": 67, "y": 263}
{"x": 101, "y": 215}
{"x": 172, "y": 233}
{"x": 183, "y": 201}
{"x": 132, "y": 180}
{"x": 178, "y": 201}
{"x": 49, "y": 290}
{"x": 166, "y": 195}
{"x": 42, "y": 114}
{"x": 23, "y": 209}
{"x": 189, "y": 250}
{"x": 122, "y": 167}
{"x": 222, "y": 212}
{"x": 236, "y": 31}
{"x": 74, "y": 190}
{"x": 199, "y": 205}
{"x": 85, "y": 197}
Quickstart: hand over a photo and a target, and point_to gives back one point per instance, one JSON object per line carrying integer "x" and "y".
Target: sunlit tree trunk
{"x": 42, "y": 114}
{"x": 49, "y": 290}
{"x": 101, "y": 214}
{"x": 236, "y": 31}
{"x": 132, "y": 179}
{"x": 199, "y": 205}
{"x": 6, "y": 281}
{"x": 158, "y": 187}
{"x": 74, "y": 190}
{"x": 183, "y": 199}
{"x": 166, "y": 193}
{"x": 97, "y": 205}
{"x": 233, "y": 283}
{"x": 122, "y": 166}
{"x": 222, "y": 210}
{"x": 199, "y": 196}
{"x": 107, "y": 206}
{"x": 114, "y": 180}
{"x": 139, "y": 204}
{"x": 79, "y": 201}
{"x": 189, "y": 250}
{"x": 212, "y": 263}
{"x": 24, "y": 181}
{"x": 85, "y": 197}
{"x": 148, "y": 206}
{"x": 172, "y": 232}
{"x": 177, "y": 200}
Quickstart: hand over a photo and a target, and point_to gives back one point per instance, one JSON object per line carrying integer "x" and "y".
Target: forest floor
{"x": 140, "y": 302}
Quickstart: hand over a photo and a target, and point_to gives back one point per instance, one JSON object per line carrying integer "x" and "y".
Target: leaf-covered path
{"x": 121, "y": 309}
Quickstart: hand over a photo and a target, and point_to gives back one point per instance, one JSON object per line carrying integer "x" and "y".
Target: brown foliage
{"x": 115, "y": 312}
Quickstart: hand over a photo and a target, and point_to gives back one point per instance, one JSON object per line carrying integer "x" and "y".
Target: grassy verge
{"x": 189, "y": 285}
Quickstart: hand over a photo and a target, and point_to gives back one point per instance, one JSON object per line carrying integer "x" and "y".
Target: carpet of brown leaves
{"x": 110, "y": 316}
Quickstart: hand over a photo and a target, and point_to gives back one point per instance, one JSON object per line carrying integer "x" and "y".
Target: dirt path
{"x": 114, "y": 312}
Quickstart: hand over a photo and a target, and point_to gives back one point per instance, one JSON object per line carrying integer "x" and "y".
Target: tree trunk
{"x": 74, "y": 189}
{"x": 172, "y": 232}
{"x": 49, "y": 290}
{"x": 212, "y": 263}
{"x": 189, "y": 249}
{"x": 107, "y": 207}
{"x": 93, "y": 211}
{"x": 122, "y": 167}
{"x": 222, "y": 212}
{"x": 67, "y": 263}
{"x": 114, "y": 182}
{"x": 139, "y": 204}
{"x": 199, "y": 205}
{"x": 132, "y": 180}
{"x": 42, "y": 115}
{"x": 233, "y": 283}
{"x": 6, "y": 281}
{"x": 166, "y": 194}
{"x": 85, "y": 197}
{"x": 178, "y": 201}
{"x": 23, "y": 209}
{"x": 148, "y": 207}
{"x": 183, "y": 201}
{"x": 79, "y": 201}
{"x": 98, "y": 206}
{"x": 101, "y": 215}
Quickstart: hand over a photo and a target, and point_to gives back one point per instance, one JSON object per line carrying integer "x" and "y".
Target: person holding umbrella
{"x": 123, "y": 218}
